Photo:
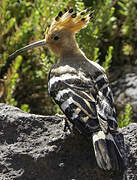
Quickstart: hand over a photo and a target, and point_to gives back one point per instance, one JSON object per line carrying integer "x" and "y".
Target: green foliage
{"x": 108, "y": 58}
{"x": 25, "y": 107}
{"x": 12, "y": 80}
{"x": 96, "y": 55}
{"x": 112, "y": 29}
{"x": 102, "y": 28}
{"x": 125, "y": 118}
{"x": 127, "y": 10}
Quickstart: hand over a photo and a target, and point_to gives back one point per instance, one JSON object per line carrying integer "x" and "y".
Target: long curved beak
{"x": 30, "y": 46}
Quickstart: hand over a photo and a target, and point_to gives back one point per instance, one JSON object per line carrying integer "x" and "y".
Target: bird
{"x": 81, "y": 88}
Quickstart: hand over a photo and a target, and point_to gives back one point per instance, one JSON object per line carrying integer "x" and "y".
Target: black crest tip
{"x": 91, "y": 15}
{"x": 57, "y": 18}
{"x": 65, "y": 10}
{"x": 60, "y": 14}
{"x": 74, "y": 15}
{"x": 83, "y": 19}
{"x": 70, "y": 10}
{"x": 82, "y": 13}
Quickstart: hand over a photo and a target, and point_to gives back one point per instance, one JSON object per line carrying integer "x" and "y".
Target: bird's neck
{"x": 72, "y": 51}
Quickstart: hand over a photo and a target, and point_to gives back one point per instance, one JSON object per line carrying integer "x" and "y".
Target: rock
{"x": 130, "y": 137}
{"x": 35, "y": 147}
{"x": 125, "y": 92}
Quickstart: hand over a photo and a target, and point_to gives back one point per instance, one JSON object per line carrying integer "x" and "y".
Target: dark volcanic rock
{"x": 35, "y": 147}
{"x": 125, "y": 92}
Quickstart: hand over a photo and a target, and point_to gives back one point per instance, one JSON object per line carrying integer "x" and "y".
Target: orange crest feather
{"x": 71, "y": 21}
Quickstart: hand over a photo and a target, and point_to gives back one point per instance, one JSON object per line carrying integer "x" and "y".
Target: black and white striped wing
{"x": 75, "y": 95}
{"x": 82, "y": 99}
{"x": 79, "y": 105}
{"x": 93, "y": 110}
{"x": 105, "y": 104}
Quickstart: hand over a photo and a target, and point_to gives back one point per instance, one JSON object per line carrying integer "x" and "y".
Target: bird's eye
{"x": 56, "y": 38}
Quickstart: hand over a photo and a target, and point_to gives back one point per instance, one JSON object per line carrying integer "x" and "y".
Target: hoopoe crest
{"x": 70, "y": 21}
{"x": 60, "y": 36}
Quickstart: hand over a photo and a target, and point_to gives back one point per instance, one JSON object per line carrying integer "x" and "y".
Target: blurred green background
{"x": 110, "y": 39}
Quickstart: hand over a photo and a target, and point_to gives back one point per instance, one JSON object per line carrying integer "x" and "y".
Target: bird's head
{"x": 60, "y": 36}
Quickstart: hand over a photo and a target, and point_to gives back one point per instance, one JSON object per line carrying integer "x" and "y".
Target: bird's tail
{"x": 107, "y": 153}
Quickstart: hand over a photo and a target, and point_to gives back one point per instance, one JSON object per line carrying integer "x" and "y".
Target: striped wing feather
{"x": 87, "y": 102}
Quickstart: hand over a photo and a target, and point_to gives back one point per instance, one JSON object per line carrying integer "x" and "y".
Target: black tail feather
{"x": 107, "y": 154}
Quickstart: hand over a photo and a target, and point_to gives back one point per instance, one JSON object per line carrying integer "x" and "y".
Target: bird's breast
{"x": 64, "y": 77}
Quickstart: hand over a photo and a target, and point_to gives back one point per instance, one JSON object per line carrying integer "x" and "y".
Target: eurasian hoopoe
{"x": 80, "y": 87}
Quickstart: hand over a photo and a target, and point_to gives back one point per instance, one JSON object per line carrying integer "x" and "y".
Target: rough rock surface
{"x": 35, "y": 147}
{"x": 125, "y": 91}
